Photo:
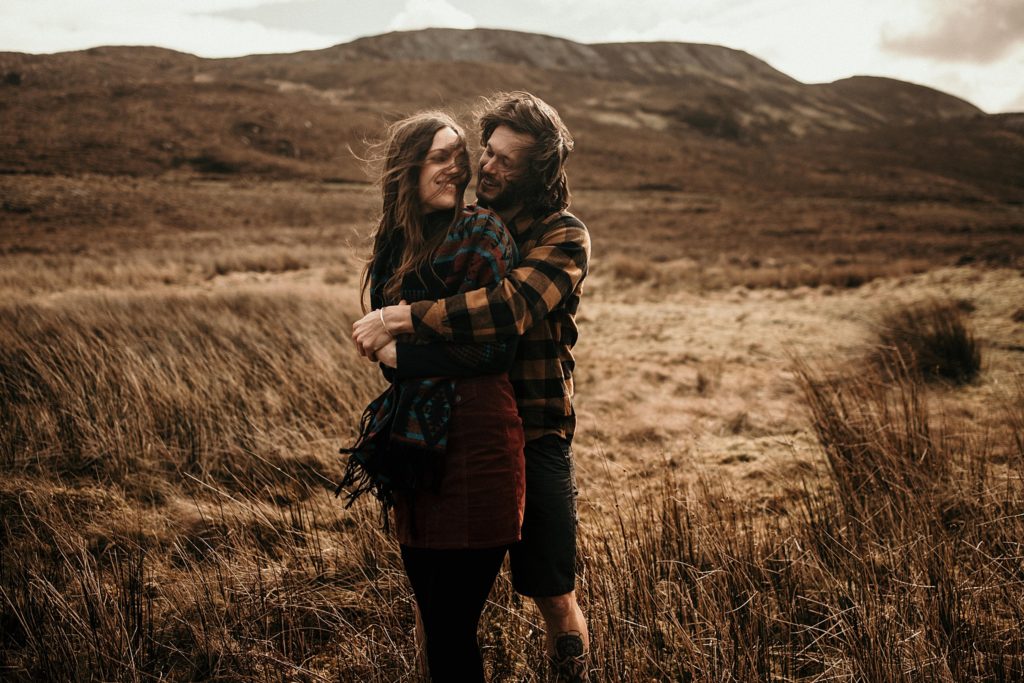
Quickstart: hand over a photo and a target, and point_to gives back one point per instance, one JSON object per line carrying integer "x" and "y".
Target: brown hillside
{"x": 660, "y": 115}
{"x": 712, "y": 88}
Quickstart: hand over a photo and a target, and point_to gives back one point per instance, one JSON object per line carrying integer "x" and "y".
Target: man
{"x": 522, "y": 179}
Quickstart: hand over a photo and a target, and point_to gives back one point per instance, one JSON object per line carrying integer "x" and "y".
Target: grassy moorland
{"x": 800, "y": 401}
{"x": 766, "y": 494}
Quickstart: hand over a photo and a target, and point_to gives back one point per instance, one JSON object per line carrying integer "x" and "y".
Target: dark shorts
{"x": 543, "y": 563}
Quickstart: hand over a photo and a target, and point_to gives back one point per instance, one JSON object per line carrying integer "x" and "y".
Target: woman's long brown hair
{"x": 405, "y": 149}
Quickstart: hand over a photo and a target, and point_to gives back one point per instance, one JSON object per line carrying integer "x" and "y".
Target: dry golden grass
{"x": 113, "y": 384}
{"x": 168, "y": 439}
{"x": 679, "y": 274}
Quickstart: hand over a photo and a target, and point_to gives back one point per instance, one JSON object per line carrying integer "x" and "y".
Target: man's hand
{"x": 370, "y": 334}
{"x": 388, "y": 354}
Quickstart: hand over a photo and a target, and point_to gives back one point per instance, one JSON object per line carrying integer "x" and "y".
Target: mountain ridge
{"x": 644, "y": 114}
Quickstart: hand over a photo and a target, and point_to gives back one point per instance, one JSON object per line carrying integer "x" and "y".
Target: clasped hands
{"x": 374, "y": 334}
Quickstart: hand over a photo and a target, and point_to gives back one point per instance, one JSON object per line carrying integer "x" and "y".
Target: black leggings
{"x": 451, "y": 587}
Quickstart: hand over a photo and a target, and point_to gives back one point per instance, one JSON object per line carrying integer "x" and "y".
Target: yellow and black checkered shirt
{"x": 537, "y": 300}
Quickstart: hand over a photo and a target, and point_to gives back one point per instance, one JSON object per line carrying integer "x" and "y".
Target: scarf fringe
{"x": 390, "y": 454}
{"x": 358, "y": 481}
{"x": 361, "y": 476}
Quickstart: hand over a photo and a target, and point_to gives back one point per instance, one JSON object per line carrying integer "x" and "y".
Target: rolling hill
{"x": 645, "y": 115}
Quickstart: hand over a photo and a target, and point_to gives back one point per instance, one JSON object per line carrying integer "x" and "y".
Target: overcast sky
{"x": 970, "y": 48}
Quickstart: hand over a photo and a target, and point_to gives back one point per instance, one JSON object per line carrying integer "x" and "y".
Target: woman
{"x": 443, "y": 444}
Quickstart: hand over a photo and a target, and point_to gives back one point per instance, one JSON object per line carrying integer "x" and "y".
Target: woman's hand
{"x": 388, "y": 354}
{"x": 369, "y": 334}
{"x": 377, "y": 328}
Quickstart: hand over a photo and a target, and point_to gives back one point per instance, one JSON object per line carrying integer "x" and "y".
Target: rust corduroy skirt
{"x": 479, "y": 501}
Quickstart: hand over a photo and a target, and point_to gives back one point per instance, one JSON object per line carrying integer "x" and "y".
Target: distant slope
{"x": 673, "y": 115}
{"x": 637, "y": 62}
{"x": 712, "y": 89}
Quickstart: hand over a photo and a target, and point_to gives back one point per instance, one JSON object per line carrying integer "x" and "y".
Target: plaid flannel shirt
{"x": 537, "y": 300}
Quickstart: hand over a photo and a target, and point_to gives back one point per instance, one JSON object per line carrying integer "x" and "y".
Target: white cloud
{"x": 993, "y": 87}
{"x": 38, "y": 26}
{"x": 981, "y": 31}
{"x": 1015, "y": 104}
{"x": 419, "y": 14}
{"x": 812, "y": 42}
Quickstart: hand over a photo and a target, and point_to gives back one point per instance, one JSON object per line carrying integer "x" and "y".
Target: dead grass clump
{"x": 264, "y": 261}
{"x": 628, "y": 268}
{"x": 686, "y": 274}
{"x": 1015, "y": 421}
{"x": 649, "y": 435}
{"x": 877, "y": 436}
{"x": 838, "y": 275}
{"x": 933, "y": 338}
{"x": 709, "y": 377}
{"x": 339, "y": 276}
{"x": 55, "y": 272}
{"x": 752, "y": 273}
{"x": 738, "y": 422}
{"x": 915, "y": 501}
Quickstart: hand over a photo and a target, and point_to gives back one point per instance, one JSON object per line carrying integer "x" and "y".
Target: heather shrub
{"x": 933, "y": 339}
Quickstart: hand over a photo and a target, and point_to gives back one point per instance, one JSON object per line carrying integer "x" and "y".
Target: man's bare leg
{"x": 568, "y": 640}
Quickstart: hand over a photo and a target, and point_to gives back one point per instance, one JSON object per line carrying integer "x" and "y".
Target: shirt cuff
{"x": 408, "y": 365}
{"x": 427, "y": 320}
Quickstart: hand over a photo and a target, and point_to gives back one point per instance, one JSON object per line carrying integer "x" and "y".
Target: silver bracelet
{"x": 384, "y": 324}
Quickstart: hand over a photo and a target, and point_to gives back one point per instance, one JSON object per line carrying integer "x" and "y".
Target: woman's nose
{"x": 452, "y": 171}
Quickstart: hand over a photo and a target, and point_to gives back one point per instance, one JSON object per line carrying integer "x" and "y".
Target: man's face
{"x": 501, "y": 181}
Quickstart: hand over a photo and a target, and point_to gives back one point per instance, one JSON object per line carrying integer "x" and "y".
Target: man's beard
{"x": 519, "y": 192}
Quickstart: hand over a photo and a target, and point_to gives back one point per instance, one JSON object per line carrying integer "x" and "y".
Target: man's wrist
{"x": 398, "y": 319}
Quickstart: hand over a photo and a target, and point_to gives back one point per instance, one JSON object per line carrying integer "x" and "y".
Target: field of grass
{"x": 762, "y": 499}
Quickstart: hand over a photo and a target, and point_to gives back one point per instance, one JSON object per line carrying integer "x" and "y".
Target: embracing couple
{"x": 473, "y": 322}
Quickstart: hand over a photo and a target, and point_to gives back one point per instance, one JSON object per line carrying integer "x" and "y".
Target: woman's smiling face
{"x": 440, "y": 172}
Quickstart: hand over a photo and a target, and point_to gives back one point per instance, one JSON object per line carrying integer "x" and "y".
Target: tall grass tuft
{"x": 933, "y": 338}
{"x": 876, "y": 432}
{"x": 112, "y": 387}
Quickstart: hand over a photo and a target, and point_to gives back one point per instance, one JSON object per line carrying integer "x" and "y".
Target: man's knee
{"x": 557, "y": 607}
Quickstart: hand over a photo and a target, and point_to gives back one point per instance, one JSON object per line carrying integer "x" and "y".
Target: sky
{"x": 970, "y": 48}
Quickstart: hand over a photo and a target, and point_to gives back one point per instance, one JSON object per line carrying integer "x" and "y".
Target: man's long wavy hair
{"x": 402, "y": 221}
{"x": 547, "y": 183}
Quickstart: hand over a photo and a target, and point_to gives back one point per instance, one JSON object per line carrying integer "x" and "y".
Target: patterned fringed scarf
{"x": 404, "y": 431}
{"x": 399, "y": 432}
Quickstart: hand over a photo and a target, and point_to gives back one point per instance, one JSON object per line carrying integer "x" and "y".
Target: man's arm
{"x": 546, "y": 276}
{"x": 448, "y": 359}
